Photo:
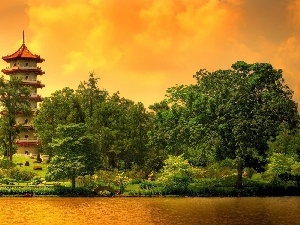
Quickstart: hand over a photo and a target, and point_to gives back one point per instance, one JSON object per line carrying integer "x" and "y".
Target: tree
{"x": 61, "y": 108}
{"x": 226, "y": 114}
{"x": 13, "y": 101}
{"x": 120, "y": 127}
{"x": 249, "y": 103}
{"x": 75, "y": 153}
{"x": 89, "y": 95}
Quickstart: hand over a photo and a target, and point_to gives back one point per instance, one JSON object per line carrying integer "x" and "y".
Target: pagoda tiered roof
{"x": 23, "y": 69}
{"x": 34, "y": 83}
{"x": 23, "y": 53}
{"x": 26, "y": 142}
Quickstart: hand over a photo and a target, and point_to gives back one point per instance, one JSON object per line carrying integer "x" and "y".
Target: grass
{"x": 32, "y": 163}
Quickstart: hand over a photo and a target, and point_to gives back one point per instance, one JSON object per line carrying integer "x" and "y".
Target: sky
{"x": 142, "y": 47}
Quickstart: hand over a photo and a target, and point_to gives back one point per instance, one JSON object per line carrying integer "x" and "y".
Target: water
{"x": 149, "y": 211}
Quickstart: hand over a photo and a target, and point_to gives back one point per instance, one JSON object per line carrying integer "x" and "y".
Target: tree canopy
{"x": 14, "y": 101}
{"x": 227, "y": 114}
{"x": 76, "y": 154}
{"x": 117, "y": 125}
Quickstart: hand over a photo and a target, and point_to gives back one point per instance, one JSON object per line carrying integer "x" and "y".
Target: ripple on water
{"x": 149, "y": 211}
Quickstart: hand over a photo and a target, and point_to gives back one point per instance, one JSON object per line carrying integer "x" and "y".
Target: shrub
{"x": 20, "y": 175}
{"x": 85, "y": 181}
{"x": 59, "y": 190}
{"x": 5, "y": 162}
{"x": 105, "y": 177}
{"x": 37, "y": 180}
{"x": 135, "y": 173}
{"x": 147, "y": 184}
{"x": 136, "y": 181}
{"x": 176, "y": 175}
{"x": 2, "y": 173}
{"x": 279, "y": 164}
{"x": 121, "y": 180}
{"x": 69, "y": 191}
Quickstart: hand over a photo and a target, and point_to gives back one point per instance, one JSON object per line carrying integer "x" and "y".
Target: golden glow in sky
{"x": 142, "y": 47}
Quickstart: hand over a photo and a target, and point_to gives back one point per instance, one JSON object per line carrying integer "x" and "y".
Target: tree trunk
{"x": 239, "y": 181}
{"x": 10, "y": 151}
{"x": 73, "y": 181}
{"x": 73, "y": 178}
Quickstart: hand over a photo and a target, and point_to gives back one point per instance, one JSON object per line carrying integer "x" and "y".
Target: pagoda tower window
{"x": 26, "y": 136}
{"x": 26, "y": 64}
{"x": 26, "y": 121}
{"x": 26, "y": 77}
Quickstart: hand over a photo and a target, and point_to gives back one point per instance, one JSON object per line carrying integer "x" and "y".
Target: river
{"x": 149, "y": 211}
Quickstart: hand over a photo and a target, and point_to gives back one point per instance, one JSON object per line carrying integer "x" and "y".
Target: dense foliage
{"x": 75, "y": 153}
{"x": 13, "y": 101}
{"x": 118, "y": 126}
{"x": 227, "y": 114}
{"x": 239, "y": 124}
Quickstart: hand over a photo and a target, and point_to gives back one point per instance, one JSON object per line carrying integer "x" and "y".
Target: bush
{"x": 69, "y": 191}
{"x": 176, "y": 175}
{"x": 37, "y": 180}
{"x": 136, "y": 181}
{"x": 217, "y": 170}
{"x": 105, "y": 177}
{"x": 4, "y": 163}
{"x": 59, "y": 190}
{"x": 7, "y": 181}
{"x": 20, "y": 175}
{"x": 121, "y": 180}
{"x": 136, "y": 173}
{"x": 88, "y": 181}
{"x": 147, "y": 184}
{"x": 280, "y": 164}
{"x": 2, "y": 173}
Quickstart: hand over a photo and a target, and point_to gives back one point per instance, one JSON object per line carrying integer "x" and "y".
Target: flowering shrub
{"x": 176, "y": 175}
{"x": 121, "y": 180}
{"x": 280, "y": 164}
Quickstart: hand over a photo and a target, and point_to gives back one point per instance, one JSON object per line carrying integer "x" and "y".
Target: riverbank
{"x": 61, "y": 191}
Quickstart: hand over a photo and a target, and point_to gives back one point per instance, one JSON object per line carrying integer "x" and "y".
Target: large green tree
{"x": 118, "y": 125}
{"x": 14, "y": 101}
{"x": 120, "y": 128}
{"x": 75, "y": 153}
{"x": 227, "y": 114}
{"x": 61, "y": 108}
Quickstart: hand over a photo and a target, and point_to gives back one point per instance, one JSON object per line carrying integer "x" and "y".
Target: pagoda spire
{"x": 23, "y": 37}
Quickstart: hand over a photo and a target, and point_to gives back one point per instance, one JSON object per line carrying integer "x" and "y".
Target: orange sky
{"x": 142, "y": 47}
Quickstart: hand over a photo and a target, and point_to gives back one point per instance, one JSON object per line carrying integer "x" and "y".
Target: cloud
{"x": 141, "y": 48}
{"x": 127, "y": 42}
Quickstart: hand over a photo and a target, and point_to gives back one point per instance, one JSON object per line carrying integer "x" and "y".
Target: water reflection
{"x": 148, "y": 211}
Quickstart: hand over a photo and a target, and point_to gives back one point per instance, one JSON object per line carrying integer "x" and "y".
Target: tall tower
{"x": 23, "y": 64}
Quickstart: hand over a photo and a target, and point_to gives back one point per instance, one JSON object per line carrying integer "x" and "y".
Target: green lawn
{"x": 23, "y": 159}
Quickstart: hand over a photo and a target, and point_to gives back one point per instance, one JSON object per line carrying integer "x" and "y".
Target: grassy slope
{"x": 23, "y": 159}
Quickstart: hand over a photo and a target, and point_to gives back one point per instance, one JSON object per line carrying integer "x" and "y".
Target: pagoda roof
{"x": 23, "y": 53}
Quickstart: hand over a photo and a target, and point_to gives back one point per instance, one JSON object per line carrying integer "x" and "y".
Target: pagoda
{"x": 23, "y": 64}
